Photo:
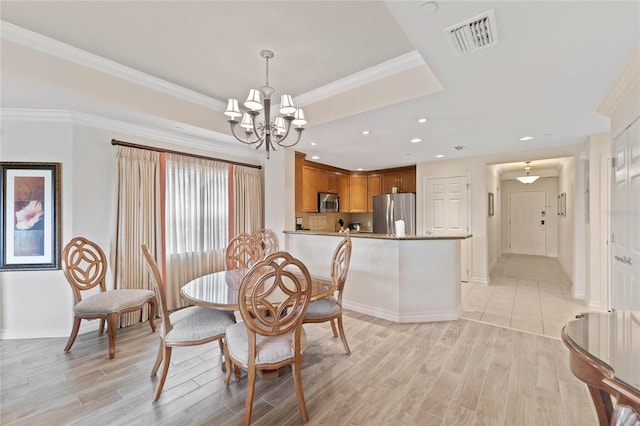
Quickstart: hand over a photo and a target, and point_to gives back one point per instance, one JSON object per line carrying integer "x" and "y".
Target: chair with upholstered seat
{"x": 186, "y": 327}
{"x": 329, "y": 309}
{"x": 273, "y": 298}
{"x": 85, "y": 267}
{"x": 242, "y": 251}
{"x": 267, "y": 240}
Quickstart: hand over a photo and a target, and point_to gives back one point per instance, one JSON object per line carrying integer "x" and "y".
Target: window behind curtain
{"x": 196, "y": 220}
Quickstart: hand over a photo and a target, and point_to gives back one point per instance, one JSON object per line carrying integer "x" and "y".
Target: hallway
{"x": 529, "y": 293}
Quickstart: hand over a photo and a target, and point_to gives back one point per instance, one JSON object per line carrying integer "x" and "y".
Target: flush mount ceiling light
{"x": 365, "y": 132}
{"x": 271, "y": 134}
{"x": 527, "y": 178}
{"x": 526, "y": 138}
{"x": 440, "y": 156}
{"x": 422, "y": 120}
{"x": 415, "y": 140}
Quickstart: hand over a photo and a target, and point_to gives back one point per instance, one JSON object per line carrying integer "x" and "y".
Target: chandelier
{"x": 271, "y": 134}
{"x": 528, "y": 177}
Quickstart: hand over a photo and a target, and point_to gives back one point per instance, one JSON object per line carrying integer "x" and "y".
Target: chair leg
{"x": 297, "y": 381}
{"x": 101, "y": 328}
{"x": 74, "y": 334}
{"x": 165, "y": 370}
{"x": 112, "y": 327}
{"x": 156, "y": 365}
{"x": 251, "y": 384}
{"x": 152, "y": 314}
{"x": 221, "y": 345}
{"x": 333, "y": 328}
{"x": 342, "y": 336}
{"x": 227, "y": 365}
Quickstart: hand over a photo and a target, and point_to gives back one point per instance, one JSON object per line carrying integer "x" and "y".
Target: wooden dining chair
{"x": 242, "y": 251}
{"x": 267, "y": 240}
{"x": 329, "y": 309}
{"x": 273, "y": 298}
{"x": 85, "y": 267}
{"x": 186, "y": 327}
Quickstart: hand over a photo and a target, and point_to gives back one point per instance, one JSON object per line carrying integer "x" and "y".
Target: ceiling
{"x": 352, "y": 65}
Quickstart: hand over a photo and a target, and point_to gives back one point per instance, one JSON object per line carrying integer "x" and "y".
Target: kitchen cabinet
{"x": 327, "y": 181}
{"x": 299, "y": 161}
{"x": 358, "y": 193}
{"x": 309, "y": 189}
{"x": 322, "y": 179}
{"x": 374, "y": 187}
{"x": 389, "y": 180}
{"x": 408, "y": 181}
{"x": 344, "y": 190}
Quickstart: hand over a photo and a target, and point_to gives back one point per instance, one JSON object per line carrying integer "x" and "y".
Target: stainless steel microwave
{"x": 328, "y": 203}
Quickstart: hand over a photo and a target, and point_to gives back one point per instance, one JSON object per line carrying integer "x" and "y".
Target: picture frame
{"x": 490, "y": 202}
{"x": 30, "y": 216}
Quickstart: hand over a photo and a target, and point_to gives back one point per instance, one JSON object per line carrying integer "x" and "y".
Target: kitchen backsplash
{"x": 328, "y": 222}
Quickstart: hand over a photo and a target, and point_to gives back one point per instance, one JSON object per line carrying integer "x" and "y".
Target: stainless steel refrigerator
{"x": 387, "y": 208}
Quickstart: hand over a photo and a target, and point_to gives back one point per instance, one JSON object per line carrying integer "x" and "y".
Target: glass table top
{"x": 611, "y": 338}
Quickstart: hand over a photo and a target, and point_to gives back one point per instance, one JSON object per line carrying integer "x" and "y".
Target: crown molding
{"x": 623, "y": 86}
{"x": 366, "y": 76}
{"x": 69, "y": 53}
{"x": 208, "y": 140}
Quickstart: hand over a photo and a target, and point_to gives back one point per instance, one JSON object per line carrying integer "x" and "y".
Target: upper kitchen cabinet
{"x": 299, "y": 161}
{"x": 389, "y": 181}
{"x": 374, "y": 187}
{"x": 408, "y": 181}
{"x": 358, "y": 193}
{"x": 344, "y": 190}
{"x": 327, "y": 181}
{"x": 309, "y": 189}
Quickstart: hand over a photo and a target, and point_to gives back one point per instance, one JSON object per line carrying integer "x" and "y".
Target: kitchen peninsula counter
{"x": 366, "y": 234}
{"x": 414, "y": 278}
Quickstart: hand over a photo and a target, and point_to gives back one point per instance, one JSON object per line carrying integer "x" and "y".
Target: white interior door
{"x": 625, "y": 224}
{"x": 527, "y": 228}
{"x": 446, "y": 210}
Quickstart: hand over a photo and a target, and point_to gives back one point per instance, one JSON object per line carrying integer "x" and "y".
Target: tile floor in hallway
{"x": 529, "y": 293}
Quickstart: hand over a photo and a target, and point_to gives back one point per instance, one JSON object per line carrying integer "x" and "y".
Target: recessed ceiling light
{"x": 526, "y": 138}
{"x": 429, "y": 8}
{"x": 313, "y": 144}
{"x": 415, "y": 140}
{"x": 315, "y": 157}
{"x": 440, "y": 156}
{"x": 422, "y": 120}
{"x": 365, "y": 132}
{"x": 359, "y": 169}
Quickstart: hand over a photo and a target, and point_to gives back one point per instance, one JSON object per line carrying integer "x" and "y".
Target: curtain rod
{"x": 170, "y": 151}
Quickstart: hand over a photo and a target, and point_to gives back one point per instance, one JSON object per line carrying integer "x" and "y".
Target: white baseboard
{"x": 405, "y": 317}
{"x": 480, "y": 281}
{"x": 46, "y": 333}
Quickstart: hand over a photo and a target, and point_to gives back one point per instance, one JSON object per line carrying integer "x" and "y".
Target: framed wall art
{"x": 30, "y": 216}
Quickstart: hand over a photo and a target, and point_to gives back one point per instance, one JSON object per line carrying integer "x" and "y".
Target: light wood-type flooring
{"x": 448, "y": 373}
{"x": 529, "y": 293}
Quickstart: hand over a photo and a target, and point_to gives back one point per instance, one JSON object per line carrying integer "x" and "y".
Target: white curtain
{"x": 248, "y": 206}
{"x": 196, "y": 221}
{"x": 137, "y": 221}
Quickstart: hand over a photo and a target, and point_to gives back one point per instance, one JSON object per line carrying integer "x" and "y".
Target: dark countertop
{"x": 385, "y": 236}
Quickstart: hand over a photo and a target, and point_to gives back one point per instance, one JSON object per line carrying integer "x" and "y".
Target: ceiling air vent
{"x": 459, "y": 147}
{"x": 473, "y": 34}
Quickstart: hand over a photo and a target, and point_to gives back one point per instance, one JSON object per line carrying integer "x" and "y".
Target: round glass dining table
{"x": 220, "y": 289}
